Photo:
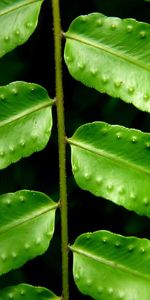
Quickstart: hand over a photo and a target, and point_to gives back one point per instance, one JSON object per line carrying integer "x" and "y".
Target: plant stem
{"x": 62, "y": 147}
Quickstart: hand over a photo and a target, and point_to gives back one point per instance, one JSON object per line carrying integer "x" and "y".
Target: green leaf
{"x": 18, "y": 20}
{"x": 27, "y": 292}
{"x": 26, "y": 227}
{"x": 112, "y": 56}
{"x": 25, "y": 121}
{"x": 113, "y": 162}
{"x": 108, "y": 266}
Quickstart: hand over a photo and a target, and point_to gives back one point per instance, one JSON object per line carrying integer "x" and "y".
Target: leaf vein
{"x": 110, "y": 156}
{"x": 7, "y": 228}
{"x": 17, "y": 6}
{"x": 25, "y": 113}
{"x": 108, "y": 50}
{"x": 109, "y": 263}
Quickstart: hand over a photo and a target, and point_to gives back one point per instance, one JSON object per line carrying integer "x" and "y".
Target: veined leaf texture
{"x": 112, "y": 56}
{"x": 113, "y": 162}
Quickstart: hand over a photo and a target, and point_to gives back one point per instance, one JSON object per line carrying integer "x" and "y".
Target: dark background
{"x": 33, "y": 62}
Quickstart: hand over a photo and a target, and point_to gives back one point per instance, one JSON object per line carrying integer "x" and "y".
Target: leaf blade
{"x": 27, "y": 224}
{"x": 25, "y": 121}
{"x": 113, "y": 162}
{"x": 30, "y": 293}
{"x": 106, "y": 54}
{"x": 116, "y": 266}
{"x": 18, "y": 20}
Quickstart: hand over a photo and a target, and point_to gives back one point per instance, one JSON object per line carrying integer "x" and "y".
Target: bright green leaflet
{"x": 27, "y": 292}
{"x": 26, "y": 227}
{"x": 18, "y": 20}
{"x": 25, "y": 121}
{"x": 113, "y": 162}
{"x": 108, "y": 266}
{"x": 112, "y": 56}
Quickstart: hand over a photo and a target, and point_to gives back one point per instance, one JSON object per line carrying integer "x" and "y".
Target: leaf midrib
{"x": 112, "y": 264}
{"x": 107, "y": 155}
{"x": 10, "y": 9}
{"x": 27, "y": 219}
{"x": 108, "y": 50}
{"x": 26, "y": 112}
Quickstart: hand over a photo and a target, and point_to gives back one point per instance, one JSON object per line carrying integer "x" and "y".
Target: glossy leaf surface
{"x": 18, "y": 20}
{"x": 25, "y": 121}
{"x": 113, "y": 162}
{"x": 26, "y": 227}
{"x": 112, "y": 56}
{"x": 108, "y": 266}
{"x": 27, "y": 292}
